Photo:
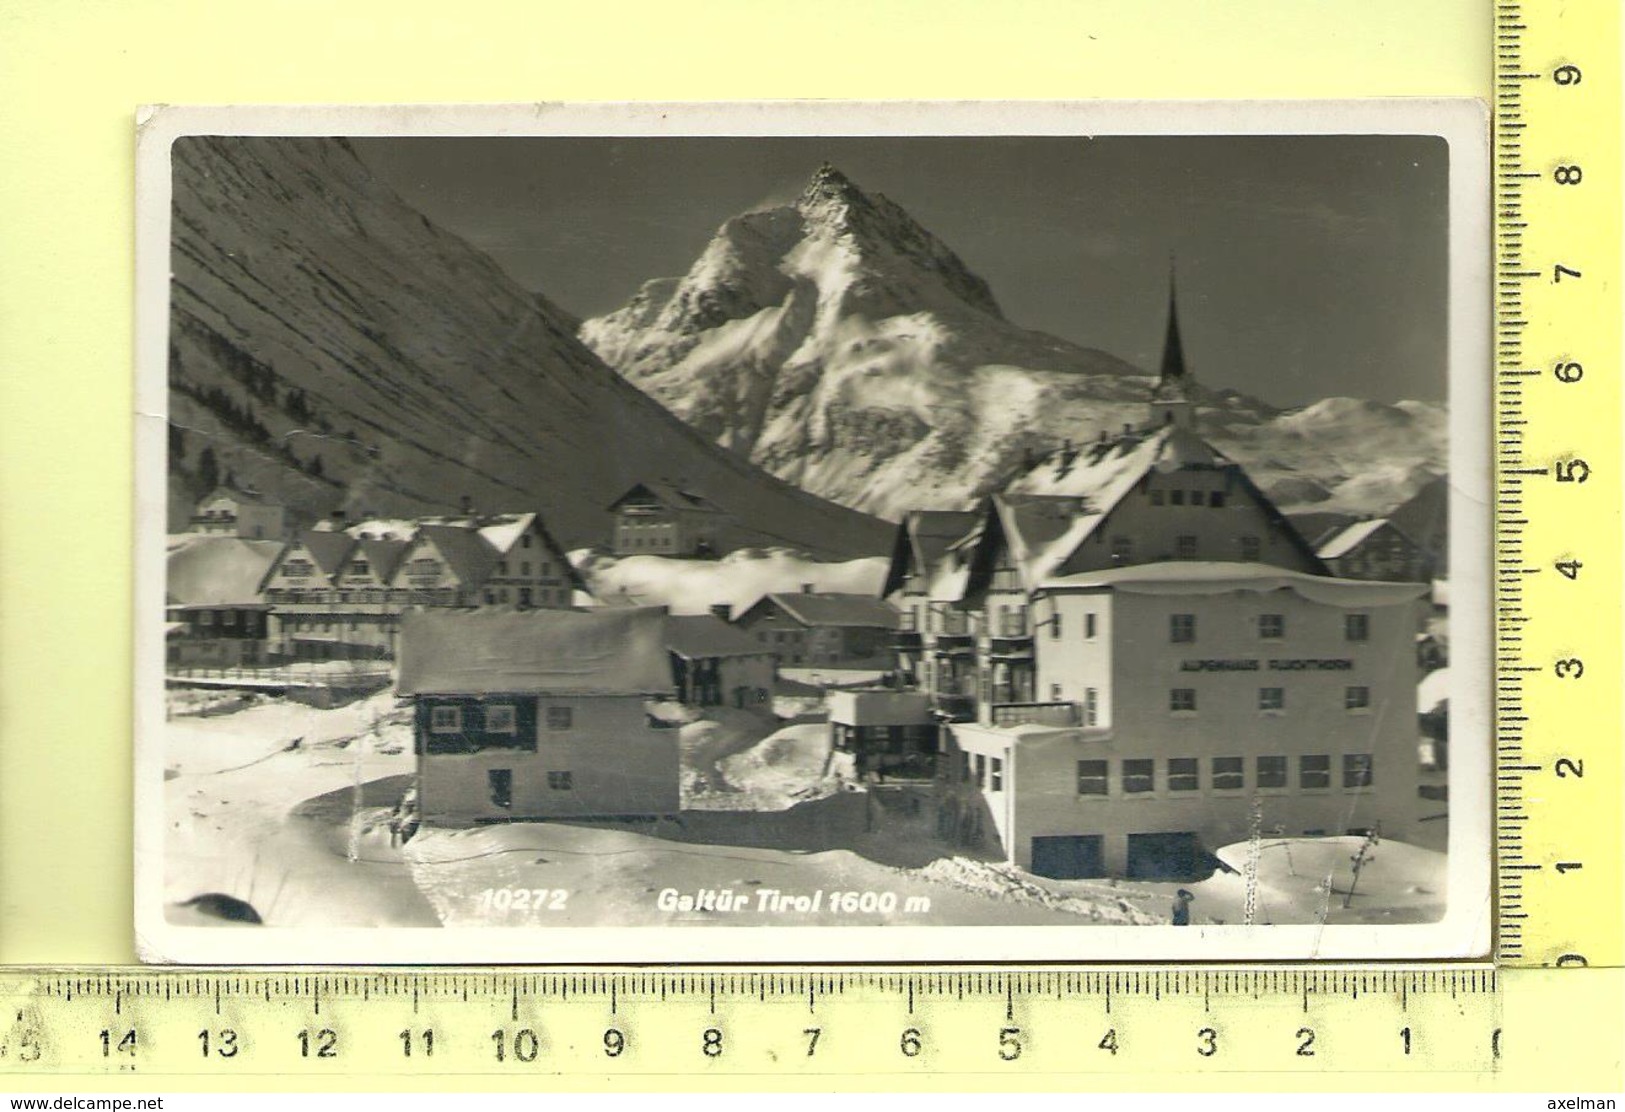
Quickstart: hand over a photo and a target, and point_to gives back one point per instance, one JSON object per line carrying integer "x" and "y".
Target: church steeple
{"x": 1171, "y": 403}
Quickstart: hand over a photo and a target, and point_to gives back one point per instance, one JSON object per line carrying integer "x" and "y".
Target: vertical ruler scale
{"x": 1558, "y": 432}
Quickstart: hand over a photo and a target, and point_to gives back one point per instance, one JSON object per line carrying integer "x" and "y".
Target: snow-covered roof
{"x": 924, "y": 538}
{"x": 1340, "y": 542}
{"x": 218, "y": 570}
{"x": 1213, "y": 577}
{"x": 1433, "y": 690}
{"x": 669, "y": 495}
{"x": 697, "y": 636}
{"x": 557, "y": 652}
{"x": 503, "y": 532}
{"x": 246, "y": 497}
{"x": 814, "y": 609}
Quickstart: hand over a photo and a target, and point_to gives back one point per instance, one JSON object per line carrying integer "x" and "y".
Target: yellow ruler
{"x": 1558, "y": 424}
{"x": 1196, "y": 1028}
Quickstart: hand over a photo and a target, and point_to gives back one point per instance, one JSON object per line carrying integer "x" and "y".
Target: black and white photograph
{"x": 796, "y": 532}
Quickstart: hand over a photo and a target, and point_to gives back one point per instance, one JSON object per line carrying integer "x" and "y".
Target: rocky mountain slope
{"x": 331, "y": 346}
{"x": 850, "y": 351}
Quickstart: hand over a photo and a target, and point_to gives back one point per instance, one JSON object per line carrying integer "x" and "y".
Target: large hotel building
{"x": 1137, "y": 659}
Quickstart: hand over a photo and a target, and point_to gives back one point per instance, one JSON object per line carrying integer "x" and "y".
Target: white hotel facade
{"x": 1138, "y": 660}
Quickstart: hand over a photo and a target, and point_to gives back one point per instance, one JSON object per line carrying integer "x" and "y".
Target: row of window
{"x": 1355, "y": 697}
{"x": 1138, "y": 776}
{"x": 1212, "y": 498}
{"x": 500, "y": 718}
{"x": 499, "y": 783}
{"x": 1271, "y": 627}
{"x": 985, "y": 772}
{"x": 1249, "y": 549}
{"x": 1012, "y": 621}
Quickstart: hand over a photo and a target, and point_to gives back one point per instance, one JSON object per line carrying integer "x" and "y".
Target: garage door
{"x": 1069, "y": 856}
{"x": 1165, "y": 856}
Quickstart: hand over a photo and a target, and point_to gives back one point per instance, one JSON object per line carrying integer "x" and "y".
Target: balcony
{"x": 1035, "y": 714}
{"x": 1010, "y": 647}
{"x": 954, "y": 708}
{"x": 905, "y": 641}
{"x": 955, "y": 644}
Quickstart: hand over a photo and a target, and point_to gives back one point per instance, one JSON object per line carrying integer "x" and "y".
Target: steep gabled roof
{"x": 502, "y": 533}
{"x": 814, "y": 609}
{"x": 1340, "y": 542}
{"x": 469, "y": 555}
{"x": 668, "y": 495}
{"x": 697, "y": 636}
{"x": 384, "y": 556}
{"x": 328, "y": 549}
{"x": 551, "y": 652}
{"x": 922, "y": 540}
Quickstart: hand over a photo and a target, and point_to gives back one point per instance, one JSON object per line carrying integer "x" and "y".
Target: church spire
{"x": 1171, "y": 402}
{"x": 1173, "y": 352}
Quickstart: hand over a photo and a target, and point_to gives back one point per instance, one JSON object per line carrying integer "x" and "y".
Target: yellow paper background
{"x": 72, "y": 75}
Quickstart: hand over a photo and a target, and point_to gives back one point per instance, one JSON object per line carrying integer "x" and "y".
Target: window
{"x": 1272, "y": 772}
{"x": 1182, "y": 699}
{"x": 1185, "y": 547}
{"x": 1184, "y": 774}
{"x": 1055, "y": 627}
{"x": 1215, "y": 499}
{"x": 1122, "y": 550}
{"x": 1249, "y": 550}
{"x": 1089, "y": 626}
{"x": 997, "y": 773}
{"x": 561, "y": 781}
{"x": 1356, "y": 698}
{"x": 1229, "y": 774}
{"x": 1356, "y": 770}
{"x": 1091, "y": 708}
{"x": 1091, "y": 777}
{"x": 1139, "y": 776}
{"x": 524, "y": 541}
{"x": 1156, "y": 498}
{"x": 1314, "y": 772}
{"x": 206, "y": 617}
{"x": 228, "y": 617}
{"x": 964, "y": 767}
{"x": 981, "y": 771}
{"x": 1055, "y": 693}
{"x": 1176, "y": 498}
{"x": 1198, "y": 498}
{"x": 501, "y": 718}
{"x": 1272, "y": 627}
{"x": 1356, "y": 627}
{"x": 445, "y": 720}
{"x": 499, "y": 782}
{"x": 1181, "y": 627}
{"x": 524, "y": 596}
{"x": 490, "y": 598}
{"x": 1271, "y": 698}
{"x": 524, "y": 568}
{"x": 560, "y": 718}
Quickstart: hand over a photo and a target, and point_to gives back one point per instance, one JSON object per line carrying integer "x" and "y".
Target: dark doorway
{"x": 1069, "y": 856}
{"x": 500, "y": 781}
{"x": 1166, "y": 857}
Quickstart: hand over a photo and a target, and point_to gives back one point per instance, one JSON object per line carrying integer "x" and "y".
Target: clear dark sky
{"x": 1308, "y": 266}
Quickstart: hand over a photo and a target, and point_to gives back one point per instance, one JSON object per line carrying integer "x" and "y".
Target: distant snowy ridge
{"x": 848, "y": 350}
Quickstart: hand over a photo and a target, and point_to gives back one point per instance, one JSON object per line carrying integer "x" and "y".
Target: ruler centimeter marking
{"x": 1557, "y": 432}
{"x": 598, "y": 1023}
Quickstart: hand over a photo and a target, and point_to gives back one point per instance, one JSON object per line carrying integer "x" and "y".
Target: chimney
{"x": 338, "y": 518}
{"x": 467, "y": 504}
{"x": 806, "y": 588}
{"x": 1127, "y": 428}
{"x": 721, "y": 610}
{"x": 1101, "y": 437}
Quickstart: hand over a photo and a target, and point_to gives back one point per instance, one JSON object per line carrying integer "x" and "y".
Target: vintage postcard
{"x": 809, "y": 532}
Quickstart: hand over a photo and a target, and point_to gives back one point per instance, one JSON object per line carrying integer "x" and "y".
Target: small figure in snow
{"x": 1182, "y": 908}
{"x": 404, "y": 822}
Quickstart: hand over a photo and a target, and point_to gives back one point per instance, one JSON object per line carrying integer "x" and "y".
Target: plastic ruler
{"x": 1550, "y": 1016}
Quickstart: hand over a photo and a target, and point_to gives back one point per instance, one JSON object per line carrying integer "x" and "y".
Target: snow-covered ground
{"x": 738, "y": 579}
{"x": 286, "y": 807}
